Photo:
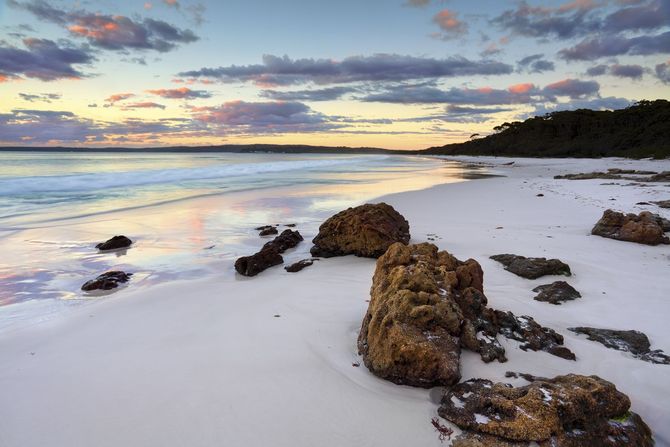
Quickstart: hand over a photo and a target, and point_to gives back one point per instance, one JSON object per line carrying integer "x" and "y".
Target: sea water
{"x": 190, "y": 214}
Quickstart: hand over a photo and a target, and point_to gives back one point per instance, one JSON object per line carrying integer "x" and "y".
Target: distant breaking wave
{"x": 104, "y": 180}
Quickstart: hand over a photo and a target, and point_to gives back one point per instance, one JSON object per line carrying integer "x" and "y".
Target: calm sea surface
{"x": 190, "y": 215}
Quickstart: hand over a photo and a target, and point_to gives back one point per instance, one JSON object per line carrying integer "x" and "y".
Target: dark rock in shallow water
{"x": 268, "y": 231}
{"x": 297, "y": 266}
{"x": 532, "y": 268}
{"x": 635, "y": 342}
{"x": 366, "y": 230}
{"x": 566, "y": 411}
{"x": 425, "y": 306}
{"x": 269, "y": 255}
{"x": 106, "y": 281}
{"x": 645, "y": 228}
{"x": 114, "y": 243}
{"x": 256, "y": 263}
{"x": 661, "y": 177}
{"x": 556, "y": 292}
{"x": 662, "y": 204}
{"x": 532, "y": 335}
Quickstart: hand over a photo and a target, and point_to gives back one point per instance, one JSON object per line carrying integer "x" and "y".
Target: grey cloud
{"x": 535, "y": 64}
{"x": 379, "y": 67}
{"x": 325, "y": 94}
{"x": 40, "y": 97}
{"x": 42, "y": 59}
{"x": 598, "y": 47}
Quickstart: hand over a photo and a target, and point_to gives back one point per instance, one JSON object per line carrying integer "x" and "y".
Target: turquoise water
{"x": 190, "y": 215}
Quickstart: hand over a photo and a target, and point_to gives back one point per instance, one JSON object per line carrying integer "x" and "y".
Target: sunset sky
{"x": 353, "y": 72}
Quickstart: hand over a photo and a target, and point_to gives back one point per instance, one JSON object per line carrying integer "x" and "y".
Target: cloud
{"x": 597, "y": 47}
{"x": 583, "y": 17}
{"x": 42, "y": 59}
{"x": 597, "y": 70}
{"x": 326, "y": 94}
{"x": 516, "y": 94}
{"x": 609, "y": 103}
{"x": 535, "y": 64}
{"x": 36, "y": 127}
{"x": 264, "y": 117}
{"x": 417, "y": 3}
{"x": 118, "y": 97}
{"x": 276, "y": 71}
{"x": 627, "y": 71}
{"x": 143, "y": 105}
{"x": 40, "y": 97}
{"x": 180, "y": 93}
{"x": 111, "y": 32}
{"x": 663, "y": 72}
{"x": 573, "y": 88}
{"x": 449, "y": 24}
{"x": 173, "y": 3}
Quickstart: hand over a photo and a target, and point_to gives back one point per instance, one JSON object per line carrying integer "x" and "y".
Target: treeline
{"x": 639, "y": 131}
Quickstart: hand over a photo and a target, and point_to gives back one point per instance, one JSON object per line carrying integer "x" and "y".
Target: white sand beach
{"x": 269, "y": 360}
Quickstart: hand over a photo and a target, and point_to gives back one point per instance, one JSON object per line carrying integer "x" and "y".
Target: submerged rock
{"x": 635, "y": 342}
{"x": 660, "y": 177}
{"x": 566, "y": 411}
{"x": 662, "y": 204}
{"x": 366, "y": 230}
{"x": 556, "y": 292}
{"x": 425, "y": 305}
{"x": 297, "y": 266}
{"x": 644, "y": 228}
{"x": 114, "y": 243}
{"x": 106, "y": 281}
{"x": 269, "y": 255}
{"x": 267, "y": 230}
{"x": 532, "y": 268}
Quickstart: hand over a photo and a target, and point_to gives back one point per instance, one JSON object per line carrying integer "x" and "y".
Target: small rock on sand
{"x": 114, "y": 243}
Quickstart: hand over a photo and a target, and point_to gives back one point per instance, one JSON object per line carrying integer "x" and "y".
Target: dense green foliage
{"x": 641, "y": 130}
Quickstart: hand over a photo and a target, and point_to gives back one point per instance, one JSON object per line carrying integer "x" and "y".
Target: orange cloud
{"x": 119, "y": 97}
{"x": 521, "y": 88}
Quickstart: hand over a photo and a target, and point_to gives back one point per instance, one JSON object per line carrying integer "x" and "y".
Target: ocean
{"x": 190, "y": 215}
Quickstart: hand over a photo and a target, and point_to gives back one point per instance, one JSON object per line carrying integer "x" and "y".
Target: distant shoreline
{"x": 232, "y": 148}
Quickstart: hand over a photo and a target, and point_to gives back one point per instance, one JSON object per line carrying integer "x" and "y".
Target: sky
{"x": 401, "y": 74}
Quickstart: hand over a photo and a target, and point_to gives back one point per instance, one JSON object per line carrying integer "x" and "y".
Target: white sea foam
{"x": 104, "y": 180}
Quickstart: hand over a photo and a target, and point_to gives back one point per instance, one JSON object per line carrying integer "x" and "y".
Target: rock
{"x": 556, "y": 292}
{"x": 645, "y": 228}
{"x": 256, "y": 263}
{"x": 589, "y": 176}
{"x": 114, "y": 243}
{"x": 268, "y": 231}
{"x": 662, "y": 203}
{"x": 539, "y": 195}
{"x": 366, "y": 230}
{"x": 106, "y": 281}
{"x": 661, "y": 177}
{"x": 532, "y": 268}
{"x": 566, "y": 411}
{"x": 635, "y": 342}
{"x": 297, "y": 266}
{"x": 269, "y": 255}
{"x": 614, "y": 174}
{"x": 425, "y": 306}
{"x": 532, "y": 335}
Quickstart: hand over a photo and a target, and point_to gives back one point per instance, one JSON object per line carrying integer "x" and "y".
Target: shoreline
{"x": 205, "y": 361}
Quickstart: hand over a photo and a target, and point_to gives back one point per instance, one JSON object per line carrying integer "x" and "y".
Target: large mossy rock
{"x": 367, "y": 230}
{"x": 644, "y": 228}
{"x": 566, "y": 411}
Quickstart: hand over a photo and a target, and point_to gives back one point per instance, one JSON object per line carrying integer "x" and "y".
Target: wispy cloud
{"x": 180, "y": 93}
{"x": 40, "y": 97}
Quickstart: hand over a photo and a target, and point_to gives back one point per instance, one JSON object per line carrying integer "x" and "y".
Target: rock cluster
{"x": 269, "y": 255}
{"x": 644, "y": 228}
{"x": 114, "y": 243}
{"x": 425, "y": 305}
{"x": 618, "y": 174}
{"x": 566, "y": 411}
{"x": 662, "y": 203}
{"x": 106, "y": 281}
{"x": 532, "y": 268}
{"x": 267, "y": 230}
{"x": 556, "y": 292}
{"x": 635, "y": 342}
{"x": 366, "y": 230}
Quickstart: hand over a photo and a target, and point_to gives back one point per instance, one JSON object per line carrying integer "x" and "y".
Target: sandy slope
{"x": 202, "y": 363}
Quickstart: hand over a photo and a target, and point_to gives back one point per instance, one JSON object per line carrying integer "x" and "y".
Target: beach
{"x": 213, "y": 358}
